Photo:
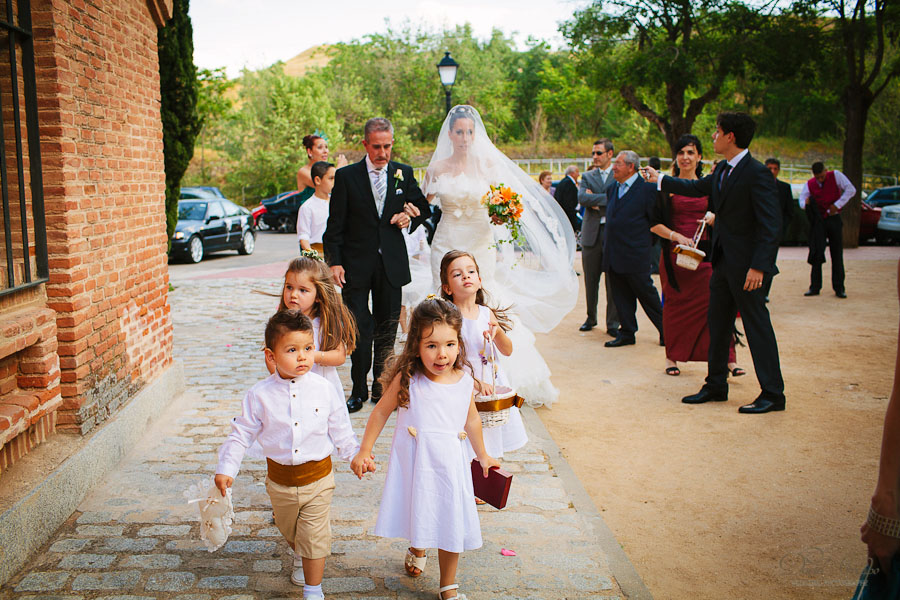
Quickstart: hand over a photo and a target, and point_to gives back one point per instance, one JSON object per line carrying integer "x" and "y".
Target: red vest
{"x": 824, "y": 195}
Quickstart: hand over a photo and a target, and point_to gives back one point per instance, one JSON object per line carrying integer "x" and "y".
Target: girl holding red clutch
{"x": 428, "y": 496}
{"x": 482, "y": 326}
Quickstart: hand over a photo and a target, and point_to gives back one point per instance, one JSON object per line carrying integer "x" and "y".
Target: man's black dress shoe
{"x": 704, "y": 395}
{"x": 619, "y": 341}
{"x": 811, "y": 293}
{"x": 375, "y": 400}
{"x": 761, "y": 405}
{"x": 841, "y": 294}
{"x": 354, "y": 404}
{"x": 612, "y": 332}
{"x": 587, "y": 326}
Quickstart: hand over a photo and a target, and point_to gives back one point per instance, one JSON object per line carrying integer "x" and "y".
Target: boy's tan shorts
{"x": 302, "y": 515}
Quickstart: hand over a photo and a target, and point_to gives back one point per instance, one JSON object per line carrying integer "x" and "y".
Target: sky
{"x": 239, "y": 33}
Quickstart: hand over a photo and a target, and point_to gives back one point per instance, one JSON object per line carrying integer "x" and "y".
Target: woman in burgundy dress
{"x": 685, "y": 292}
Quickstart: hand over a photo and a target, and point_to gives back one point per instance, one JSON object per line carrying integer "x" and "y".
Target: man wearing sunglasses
{"x": 592, "y": 197}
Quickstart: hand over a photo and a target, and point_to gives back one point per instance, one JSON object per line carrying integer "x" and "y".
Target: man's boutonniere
{"x": 398, "y": 175}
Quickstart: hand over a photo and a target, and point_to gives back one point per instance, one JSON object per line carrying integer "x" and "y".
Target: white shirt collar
{"x": 737, "y": 157}
{"x": 371, "y": 168}
{"x": 573, "y": 179}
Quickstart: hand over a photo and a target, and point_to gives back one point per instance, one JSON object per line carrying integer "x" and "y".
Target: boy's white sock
{"x": 313, "y": 591}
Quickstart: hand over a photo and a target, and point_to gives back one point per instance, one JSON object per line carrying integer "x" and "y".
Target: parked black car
{"x": 281, "y": 211}
{"x": 210, "y": 225}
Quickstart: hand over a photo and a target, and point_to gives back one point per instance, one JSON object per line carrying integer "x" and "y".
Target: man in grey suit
{"x": 592, "y": 196}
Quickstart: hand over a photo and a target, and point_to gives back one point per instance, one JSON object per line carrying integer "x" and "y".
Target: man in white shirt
{"x": 298, "y": 418}
{"x": 823, "y": 197}
{"x": 592, "y": 196}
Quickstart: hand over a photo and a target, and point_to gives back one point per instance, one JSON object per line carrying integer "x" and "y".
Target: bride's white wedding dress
{"x": 532, "y": 276}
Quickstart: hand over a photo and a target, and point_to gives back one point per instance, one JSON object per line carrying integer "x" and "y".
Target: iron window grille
{"x": 24, "y": 243}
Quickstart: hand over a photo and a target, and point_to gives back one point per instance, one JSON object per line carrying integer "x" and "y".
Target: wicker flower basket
{"x": 494, "y": 408}
{"x": 688, "y": 256}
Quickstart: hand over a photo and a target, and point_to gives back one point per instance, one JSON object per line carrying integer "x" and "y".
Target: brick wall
{"x": 102, "y": 154}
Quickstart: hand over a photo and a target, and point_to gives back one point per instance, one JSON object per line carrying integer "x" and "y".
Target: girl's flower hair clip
{"x": 313, "y": 254}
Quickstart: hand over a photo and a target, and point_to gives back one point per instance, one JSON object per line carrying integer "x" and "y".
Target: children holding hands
{"x": 298, "y": 418}
{"x": 428, "y": 496}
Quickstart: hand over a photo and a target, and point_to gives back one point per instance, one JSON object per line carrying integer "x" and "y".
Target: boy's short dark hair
{"x": 319, "y": 169}
{"x": 818, "y": 167}
{"x": 286, "y": 321}
{"x": 740, "y": 124}
{"x": 773, "y": 161}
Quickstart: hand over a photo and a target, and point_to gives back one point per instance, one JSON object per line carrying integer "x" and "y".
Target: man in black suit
{"x": 567, "y": 195}
{"x": 786, "y": 200}
{"x": 626, "y": 260}
{"x": 746, "y": 226}
{"x": 372, "y": 201}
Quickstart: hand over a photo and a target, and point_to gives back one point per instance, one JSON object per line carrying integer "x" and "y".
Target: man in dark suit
{"x": 592, "y": 196}
{"x": 786, "y": 201}
{"x": 372, "y": 201}
{"x": 626, "y": 257}
{"x": 567, "y": 196}
{"x": 746, "y": 225}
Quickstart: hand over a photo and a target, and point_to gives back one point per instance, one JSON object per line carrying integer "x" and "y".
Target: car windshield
{"x": 191, "y": 211}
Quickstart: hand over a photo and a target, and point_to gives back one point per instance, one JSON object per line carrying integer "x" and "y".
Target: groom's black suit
{"x": 373, "y": 254}
{"x": 746, "y": 235}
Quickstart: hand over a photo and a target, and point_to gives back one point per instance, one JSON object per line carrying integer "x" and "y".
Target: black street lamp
{"x": 447, "y": 71}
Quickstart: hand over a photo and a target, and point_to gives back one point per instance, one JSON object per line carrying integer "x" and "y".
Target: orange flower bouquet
{"x": 504, "y": 208}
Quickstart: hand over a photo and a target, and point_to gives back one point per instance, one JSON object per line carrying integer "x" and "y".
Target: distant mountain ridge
{"x": 315, "y": 57}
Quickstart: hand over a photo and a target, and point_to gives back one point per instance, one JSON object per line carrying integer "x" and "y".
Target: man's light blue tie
{"x": 380, "y": 189}
{"x": 623, "y": 189}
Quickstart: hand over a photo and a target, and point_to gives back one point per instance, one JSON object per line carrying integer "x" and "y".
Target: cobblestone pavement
{"x": 134, "y": 537}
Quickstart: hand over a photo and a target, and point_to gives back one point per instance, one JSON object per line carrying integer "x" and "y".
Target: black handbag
{"x": 879, "y": 584}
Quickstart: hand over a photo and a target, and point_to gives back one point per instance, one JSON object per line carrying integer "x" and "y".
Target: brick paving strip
{"x": 134, "y": 537}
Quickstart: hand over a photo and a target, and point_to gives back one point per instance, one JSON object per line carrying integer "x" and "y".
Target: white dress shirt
{"x": 295, "y": 421}
{"x": 847, "y": 190}
{"x": 607, "y": 173}
{"x": 374, "y": 174}
{"x": 312, "y": 219}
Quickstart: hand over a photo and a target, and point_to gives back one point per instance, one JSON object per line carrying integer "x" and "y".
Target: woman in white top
{"x": 313, "y": 214}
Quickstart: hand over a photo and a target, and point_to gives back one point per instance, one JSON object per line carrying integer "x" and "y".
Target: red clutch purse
{"x": 493, "y": 489}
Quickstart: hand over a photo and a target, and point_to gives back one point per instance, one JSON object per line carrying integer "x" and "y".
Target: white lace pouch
{"x": 216, "y": 512}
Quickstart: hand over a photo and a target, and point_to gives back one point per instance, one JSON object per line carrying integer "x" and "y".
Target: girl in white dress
{"x": 461, "y": 284}
{"x": 428, "y": 496}
{"x": 309, "y": 288}
{"x": 533, "y": 274}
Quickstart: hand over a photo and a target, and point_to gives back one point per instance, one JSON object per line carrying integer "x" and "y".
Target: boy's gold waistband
{"x": 299, "y": 475}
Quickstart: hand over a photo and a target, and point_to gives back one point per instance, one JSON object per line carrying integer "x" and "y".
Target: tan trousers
{"x": 302, "y": 515}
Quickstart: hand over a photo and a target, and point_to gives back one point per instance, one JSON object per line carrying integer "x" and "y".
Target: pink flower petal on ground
{"x": 506, "y": 552}
{"x": 228, "y": 345}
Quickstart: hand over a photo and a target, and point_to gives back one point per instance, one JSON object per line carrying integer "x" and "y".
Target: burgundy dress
{"x": 685, "y": 309}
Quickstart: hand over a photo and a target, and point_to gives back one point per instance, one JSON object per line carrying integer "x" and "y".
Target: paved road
{"x": 135, "y": 537}
{"x": 271, "y": 248}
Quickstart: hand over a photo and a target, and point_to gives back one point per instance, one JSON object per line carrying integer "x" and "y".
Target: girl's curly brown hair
{"x": 337, "y": 323}
{"x": 503, "y": 319}
{"x": 425, "y": 316}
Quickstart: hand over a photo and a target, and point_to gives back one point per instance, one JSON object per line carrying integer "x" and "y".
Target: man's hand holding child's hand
{"x": 223, "y": 482}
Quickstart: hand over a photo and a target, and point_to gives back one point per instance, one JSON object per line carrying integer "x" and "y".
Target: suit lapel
{"x": 368, "y": 196}
{"x": 732, "y": 178}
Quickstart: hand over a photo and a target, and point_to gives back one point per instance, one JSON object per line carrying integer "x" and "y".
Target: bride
{"x": 533, "y": 274}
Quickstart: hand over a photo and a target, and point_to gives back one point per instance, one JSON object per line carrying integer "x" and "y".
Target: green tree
{"x": 178, "y": 103}
{"x": 264, "y": 142}
{"x": 668, "y": 59}
{"x": 865, "y": 33}
{"x": 213, "y": 107}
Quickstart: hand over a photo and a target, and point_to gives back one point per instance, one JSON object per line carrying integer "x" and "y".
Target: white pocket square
{"x": 398, "y": 192}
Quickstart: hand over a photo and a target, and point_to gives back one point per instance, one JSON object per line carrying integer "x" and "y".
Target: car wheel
{"x": 881, "y": 239}
{"x": 262, "y": 225}
{"x": 195, "y": 249}
{"x": 284, "y": 225}
{"x": 248, "y": 243}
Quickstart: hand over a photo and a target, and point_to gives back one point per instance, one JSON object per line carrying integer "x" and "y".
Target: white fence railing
{"x": 792, "y": 173}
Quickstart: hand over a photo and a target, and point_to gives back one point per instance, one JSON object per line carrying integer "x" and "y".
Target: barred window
{"x": 23, "y": 237}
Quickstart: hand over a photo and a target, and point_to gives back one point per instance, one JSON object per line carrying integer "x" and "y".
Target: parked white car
{"x": 888, "y": 228}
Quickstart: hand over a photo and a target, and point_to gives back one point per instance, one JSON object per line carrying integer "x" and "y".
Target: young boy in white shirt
{"x": 298, "y": 418}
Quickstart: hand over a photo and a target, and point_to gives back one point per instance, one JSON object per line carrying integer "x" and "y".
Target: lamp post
{"x": 447, "y": 71}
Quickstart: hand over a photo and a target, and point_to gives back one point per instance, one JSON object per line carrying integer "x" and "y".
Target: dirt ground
{"x": 710, "y": 503}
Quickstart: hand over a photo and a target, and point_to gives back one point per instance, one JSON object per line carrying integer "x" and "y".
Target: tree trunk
{"x": 856, "y": 110}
